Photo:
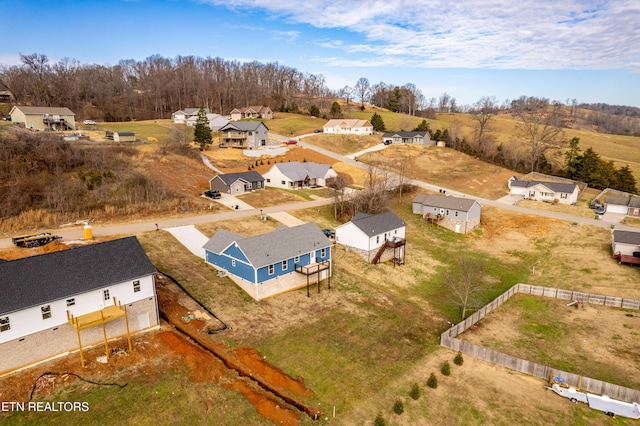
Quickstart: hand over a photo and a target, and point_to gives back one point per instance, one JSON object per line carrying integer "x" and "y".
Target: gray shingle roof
{"x": 229, "y": 178}
{"x": 276, "y": 246}
{"x": 244, "y": 126}
{"x": 37, "y": 280}
{"x": 297, "y": 171}
{"x": 45, "y": 110}
{"x": 554, "y": 186}
{"x": 378, "y": 223}
{"x": 445, "y": 202}
{"x": 626, "y": 237}
{"x": 405, "y": 134}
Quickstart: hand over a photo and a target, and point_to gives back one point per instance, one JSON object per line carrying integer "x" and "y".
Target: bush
{"x": 446, "y": 369}
{"x": 458, "y": 360}
{"x": 398, "y": 407}
{"x": 415, "y": 391}
{"x": 433, "y": 381}
{"x": 380, "y": 421}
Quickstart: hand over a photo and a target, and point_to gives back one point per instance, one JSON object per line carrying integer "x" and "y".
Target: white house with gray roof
{"x": 50, "y": 299}
{"x": 625, "y": 242}
{"x": 565, "y": 193}
{"x": 297, "y": 175}
{"x": 459, "y": 214}
{"x": 377, "y": 238}
{"x": 181, "y": 116}
{"x": 414, "y": 138}
{"x": 626, "y": 205}
{"x": 272, "y": 263}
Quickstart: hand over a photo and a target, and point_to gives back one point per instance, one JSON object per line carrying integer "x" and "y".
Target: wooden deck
{"x": 100, "y": 317}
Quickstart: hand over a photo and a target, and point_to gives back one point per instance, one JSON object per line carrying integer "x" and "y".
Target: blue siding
{"x": 241, "y": 269}
{"x": 236, "y": 253}
{"x": 327, "y": 255}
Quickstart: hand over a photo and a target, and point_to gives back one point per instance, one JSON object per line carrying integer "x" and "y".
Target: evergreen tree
{"x": 314, "y": 110}
{"x": 422, "y": 127}
{"x": 624, "y": 180}
{"x": 415, "y": 391}
{"x": 202, "y": 133}
{"x": 458, "y": 360}
{"x": 587, "y": 166}
{"x": 446, "y": 369}
{"x": 432, "y": 382}
{"x": 336, "y": 111}
{"x": 377, "y": 122}
{"x": 572, "y": 158}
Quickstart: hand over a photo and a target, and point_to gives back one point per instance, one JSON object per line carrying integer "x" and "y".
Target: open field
{"x": 343, "y": 144}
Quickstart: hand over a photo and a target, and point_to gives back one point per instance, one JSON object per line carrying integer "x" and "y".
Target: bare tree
{"x": 362, "y": 89}
{"x": 482, "y": 112}
{"x": 540, "y": 122}
{"x": 466, "y": 284}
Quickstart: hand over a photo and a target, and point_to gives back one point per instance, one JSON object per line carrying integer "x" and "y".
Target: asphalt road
{"x": 77, "y": 233}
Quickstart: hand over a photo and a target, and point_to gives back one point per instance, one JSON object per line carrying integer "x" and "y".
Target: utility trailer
{"x": 611, "y": 407}
{"x": 34, "y": 240}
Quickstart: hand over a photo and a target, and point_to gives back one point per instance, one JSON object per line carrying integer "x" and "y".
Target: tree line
{"x": 157, "y": 86}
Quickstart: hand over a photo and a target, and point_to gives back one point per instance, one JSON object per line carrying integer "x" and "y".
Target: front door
{"x": 312, "y": 257}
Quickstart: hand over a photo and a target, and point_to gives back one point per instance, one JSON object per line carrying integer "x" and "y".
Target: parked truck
{"x": 34, "y": 240}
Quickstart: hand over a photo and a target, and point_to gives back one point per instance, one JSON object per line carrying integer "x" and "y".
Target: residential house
{"x": 454, "y": 213}
{"x": 346, "y": 126}
{"x": 415, "y": 138}
{"x": 245, "y": 134}
{"x": 565, "y": 193}
{"x": 260, "y": 111}
{"x": 216, "y": 121}
{"x": 297, "y": 175}
{"x": 181, "y": 116}
{"x": 6, "y": 96}
{"x": 629, "y": 206}
{"x": 43, "y": 118}
{"x": 625, "y": 242}
{"x": 52, "y": 300}
{"x": 237, "y": 183}
{"x": 376, "y": 238}
{"x": 272, "y": 263}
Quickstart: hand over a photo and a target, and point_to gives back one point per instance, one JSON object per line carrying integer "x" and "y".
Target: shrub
{"x": 380, "y": 421}
{"x": 398, "y": 407}
{"x": 446, "y": 369}
{"x": 415, "y": 391}
{"x": 458, "y": 360}
{"x": 433, "y": 381}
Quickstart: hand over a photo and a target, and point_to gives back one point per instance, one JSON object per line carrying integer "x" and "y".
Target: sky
{"x": 587, "y": 50}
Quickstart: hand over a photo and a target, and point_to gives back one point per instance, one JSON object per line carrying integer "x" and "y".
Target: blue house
{"x": 269, "y": 264}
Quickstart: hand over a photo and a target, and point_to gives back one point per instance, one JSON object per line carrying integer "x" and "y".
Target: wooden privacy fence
{"x": 448, "y": 339}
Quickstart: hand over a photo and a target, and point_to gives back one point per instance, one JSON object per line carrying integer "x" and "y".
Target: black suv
{"x": 212, "y": 194}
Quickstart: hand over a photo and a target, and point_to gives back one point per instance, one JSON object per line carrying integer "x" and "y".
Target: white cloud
{"x": 543, "y": 34}
{"x": 285, "y": 35}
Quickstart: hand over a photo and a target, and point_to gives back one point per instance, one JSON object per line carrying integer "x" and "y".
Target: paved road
{"x": 142, "y": 226}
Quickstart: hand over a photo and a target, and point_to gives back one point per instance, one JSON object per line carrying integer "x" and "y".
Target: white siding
{"x": 29, "y": 321}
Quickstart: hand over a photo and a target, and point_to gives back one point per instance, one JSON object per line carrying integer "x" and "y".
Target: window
{"x": 296, "y": 259}
{"x": 258, "y": 184}
{"x": 71, "y": 302}
{"x": 283, "y": 182}
{"x": 5, "y": 325}
{"x": 249, "y": 185}
{"x": 564, "y": 195}
{"x": 233, "y": 263}
{"x": 456, "y": 214}
{"x": 46, "y": 311}
{"x": 268, "y": 180}
{"x": 323, "y": 252}
{"x": 271, "y": 269}
{"x": 377, "y": 239}
{"x": 285, "y": 265}
{"x": 136, "y": 286}
{"x": 105, "y": 295}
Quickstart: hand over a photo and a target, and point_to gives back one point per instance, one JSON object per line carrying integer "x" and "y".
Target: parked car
{"x": 387, "y": 142}
{"x": 89, "y": 122}
{"x": 213, "y": 194}
{"x": 291, "y": 142}
{"x": 317, "y": 131}
{"x": 600, "y": 210}
{"x": 329, "y": 233}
